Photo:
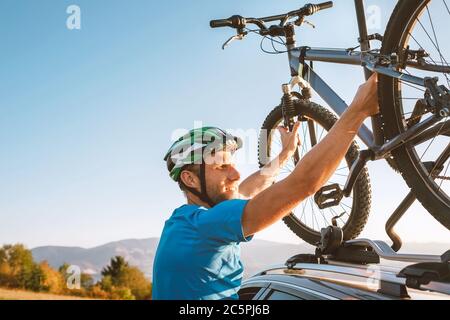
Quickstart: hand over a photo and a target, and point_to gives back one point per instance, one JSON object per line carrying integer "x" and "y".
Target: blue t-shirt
{"x": 198, "y": 256}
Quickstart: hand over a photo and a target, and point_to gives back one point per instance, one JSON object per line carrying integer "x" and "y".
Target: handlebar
{"x": 325, "y": 5}
{"x": 239, "y": 22}
{"x": 220, "y": 23}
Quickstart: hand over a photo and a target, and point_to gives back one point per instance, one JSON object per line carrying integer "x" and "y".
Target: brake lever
{"x": 310, "y": 24}
{"x": 300, "y": 21}
{"x": 239, "y": 36}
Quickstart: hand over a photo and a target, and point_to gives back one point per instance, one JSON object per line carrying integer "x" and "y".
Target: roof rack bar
{"x": 381, "y": 276}
{"x": 386, "y": 252}
{"x": 345, "y": 270}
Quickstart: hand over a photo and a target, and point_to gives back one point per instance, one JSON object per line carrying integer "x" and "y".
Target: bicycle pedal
{"x": 329, "y": 196}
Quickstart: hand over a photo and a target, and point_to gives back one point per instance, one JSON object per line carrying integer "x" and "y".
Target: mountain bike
{"x": 412, "y": 131}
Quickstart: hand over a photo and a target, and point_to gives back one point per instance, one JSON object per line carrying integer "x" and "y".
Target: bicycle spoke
{"x": 312, "y": 212}
{"x": 446, "y": 6}
{"x": 324, "y": 220}
{"x": 442, "y": 158}
{"x": 445, "y": 174}
{"x": 323, "y": 216}
{"x": 320, "y": 138}
{"x": 345, "y": 210}
{"x": 432, "y": 140}
{"x": 436, "y": 45}
{"x": 341, "y": 175}
{"x": 303, "y": 212}
{"x": 421, "y": 47}
{"x": 429, "y": 37}
{"x": 304, "y": 139}
{"x": 411, "y": 85}
{"x": 434, "y": 34}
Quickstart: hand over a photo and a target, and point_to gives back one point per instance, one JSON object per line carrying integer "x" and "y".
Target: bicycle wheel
{"x": 307, "y": 219}
{"x": 417, "y": 25}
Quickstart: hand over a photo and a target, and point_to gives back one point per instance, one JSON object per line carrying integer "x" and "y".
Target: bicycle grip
{"x": 325, "y": 5}
{"x": 220, "y": 23}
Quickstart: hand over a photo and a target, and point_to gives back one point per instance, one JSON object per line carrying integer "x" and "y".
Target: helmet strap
{"x": 203, "y": 195}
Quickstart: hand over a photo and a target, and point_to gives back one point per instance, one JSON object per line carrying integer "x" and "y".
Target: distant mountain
{"x": 256, "y": 255}
{"x": 139, "y": 253}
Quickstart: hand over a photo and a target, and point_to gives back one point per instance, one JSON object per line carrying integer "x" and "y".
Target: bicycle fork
{"x": 289, "y": 113}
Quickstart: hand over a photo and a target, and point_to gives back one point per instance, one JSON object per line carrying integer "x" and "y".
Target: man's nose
{"x": 233, "y": 174}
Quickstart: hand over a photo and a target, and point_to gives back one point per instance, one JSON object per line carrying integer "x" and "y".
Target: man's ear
{"x": 190, "y": 179}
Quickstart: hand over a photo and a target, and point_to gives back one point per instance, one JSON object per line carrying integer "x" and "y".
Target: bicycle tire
{"x": 361, "y": 192}
{"x": 411, "y": 168}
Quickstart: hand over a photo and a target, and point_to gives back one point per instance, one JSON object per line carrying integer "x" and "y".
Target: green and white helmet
{"x": 190, "y": 148}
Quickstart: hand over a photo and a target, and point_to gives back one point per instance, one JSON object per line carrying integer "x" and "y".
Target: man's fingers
{"x": 282, "y": 129}
{"x": 296, "y": 127}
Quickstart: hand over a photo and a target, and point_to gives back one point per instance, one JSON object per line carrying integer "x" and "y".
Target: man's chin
{"x": 230, "y": 195}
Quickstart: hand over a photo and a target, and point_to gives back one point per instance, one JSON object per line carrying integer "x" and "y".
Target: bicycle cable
{"x": 272, "y": 40}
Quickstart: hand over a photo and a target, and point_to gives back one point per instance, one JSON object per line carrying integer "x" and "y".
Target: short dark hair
{"x": 194, "y": 168}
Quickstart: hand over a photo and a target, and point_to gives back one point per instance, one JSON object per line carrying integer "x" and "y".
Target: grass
{"x": 12, "y": 294}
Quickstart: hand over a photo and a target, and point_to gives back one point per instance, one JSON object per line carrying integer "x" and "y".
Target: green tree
{"x": 134, "y": 279}
{"x": 123, "y": 281}
{"x": 122, "y": 293}
{"x": 116, "y": 269}
{"x": 18, "y": 269}
{"x": 19, "y": 257}
{"x": 33, "y": 278}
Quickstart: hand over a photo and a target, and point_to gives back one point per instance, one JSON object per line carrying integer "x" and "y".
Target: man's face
{"x": 222, "y": 178}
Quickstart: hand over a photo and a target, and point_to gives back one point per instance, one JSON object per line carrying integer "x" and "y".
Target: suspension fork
{"x": 289, "y": 113}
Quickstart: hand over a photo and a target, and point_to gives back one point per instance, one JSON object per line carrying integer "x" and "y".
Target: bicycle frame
{"x": 342, "y": 56}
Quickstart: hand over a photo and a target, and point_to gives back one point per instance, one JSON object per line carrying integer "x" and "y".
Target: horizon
{"x": 157, "y": 238}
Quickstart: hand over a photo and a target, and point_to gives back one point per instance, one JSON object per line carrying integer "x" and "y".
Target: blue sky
{"x": 87, "y": 115}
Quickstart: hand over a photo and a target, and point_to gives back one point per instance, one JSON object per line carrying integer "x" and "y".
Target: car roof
{"x": 331, "y": 278}
{"x": 339, "y": 282}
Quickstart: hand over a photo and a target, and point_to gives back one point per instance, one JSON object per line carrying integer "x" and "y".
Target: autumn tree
{"x": 18, "y": 269}
{"x": 53, "y": 280}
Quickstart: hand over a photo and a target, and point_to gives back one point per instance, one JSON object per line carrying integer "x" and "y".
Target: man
{"x": 198, "y": 256}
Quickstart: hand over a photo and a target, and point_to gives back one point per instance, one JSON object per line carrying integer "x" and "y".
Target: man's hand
{"x": 265, "y": 177}
{"x": 366, "y": 99}
{"x": 289, "y": 140}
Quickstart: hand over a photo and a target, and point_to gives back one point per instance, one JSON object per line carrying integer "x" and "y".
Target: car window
{"x": 249, "y": 293}
{"x": 279, "y": 295}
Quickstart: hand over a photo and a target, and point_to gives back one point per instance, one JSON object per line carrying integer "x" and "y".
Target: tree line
{"x": 119, "y": 280}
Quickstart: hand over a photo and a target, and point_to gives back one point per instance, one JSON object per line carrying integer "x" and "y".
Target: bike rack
{"x": 395, "y": 217}
{"x": 384, "y": 251}
{"x": 399, "y": 212}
